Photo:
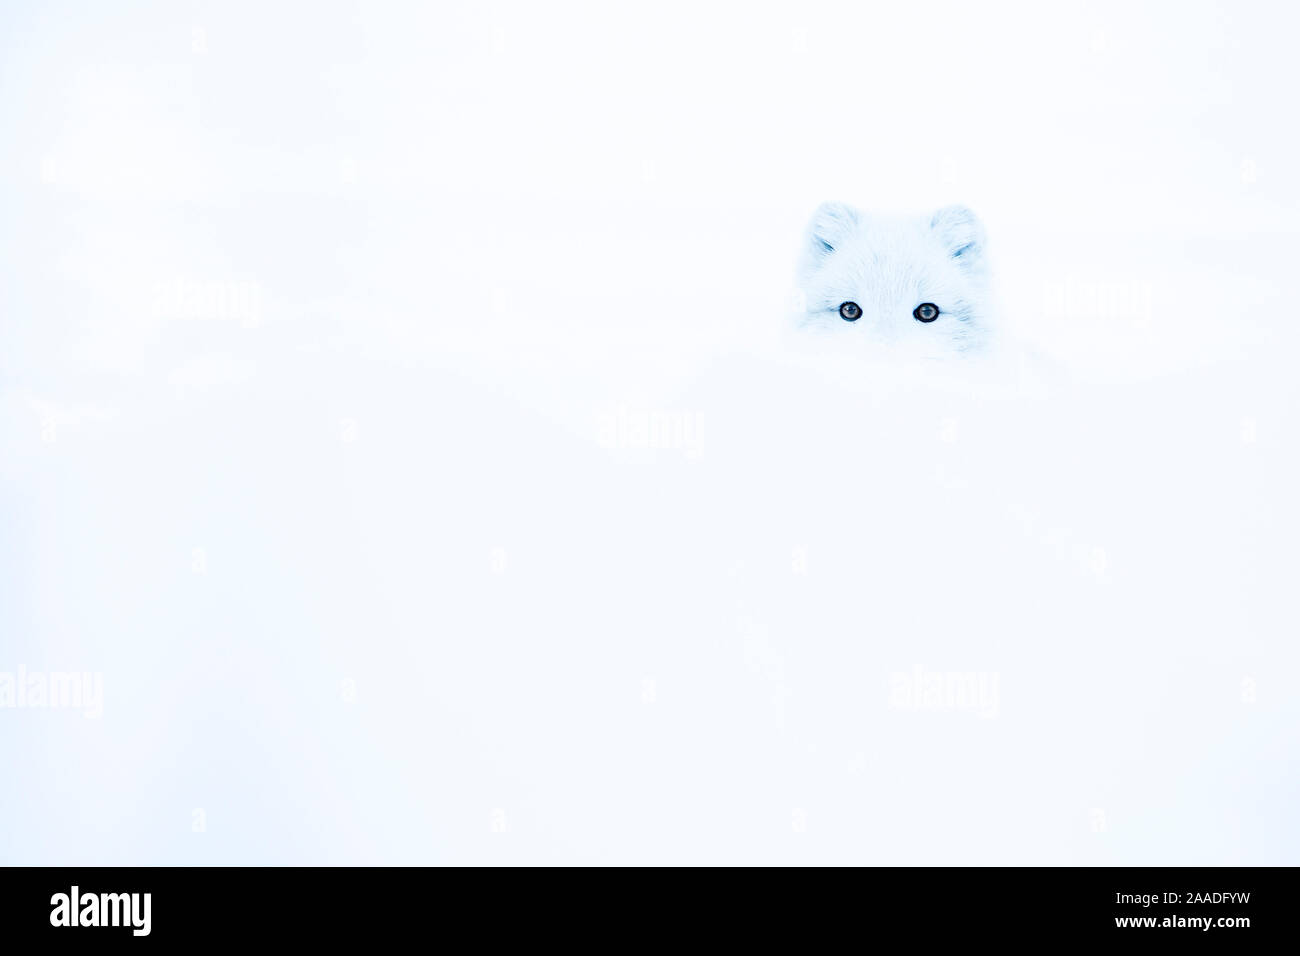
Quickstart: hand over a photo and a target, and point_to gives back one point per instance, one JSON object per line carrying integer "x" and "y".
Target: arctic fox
{"x": 916, "y": 287}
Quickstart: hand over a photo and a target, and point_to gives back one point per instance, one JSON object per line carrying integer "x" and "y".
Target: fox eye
{"x": 850, "y": 311}
{"x": 926, "y": 312}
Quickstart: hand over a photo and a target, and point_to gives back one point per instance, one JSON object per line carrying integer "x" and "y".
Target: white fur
{"x": 889, "y": 266}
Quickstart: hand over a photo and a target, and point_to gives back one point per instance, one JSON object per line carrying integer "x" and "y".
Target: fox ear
{"x": 831, "y": 224}
{"x": 961, "y": 233}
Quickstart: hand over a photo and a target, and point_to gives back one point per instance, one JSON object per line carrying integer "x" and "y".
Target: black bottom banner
{"x": 1231, "y": 907}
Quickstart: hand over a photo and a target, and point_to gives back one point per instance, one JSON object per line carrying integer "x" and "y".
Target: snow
{"x": 399, "y": 412}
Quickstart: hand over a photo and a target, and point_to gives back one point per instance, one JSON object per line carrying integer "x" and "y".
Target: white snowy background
{"x": 394, "y": 412}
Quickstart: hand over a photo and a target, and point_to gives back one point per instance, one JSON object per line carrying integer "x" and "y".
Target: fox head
{"x": 916, "y": 285}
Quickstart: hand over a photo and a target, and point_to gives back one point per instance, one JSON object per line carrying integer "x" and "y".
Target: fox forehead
{"x": 887, "y": 259}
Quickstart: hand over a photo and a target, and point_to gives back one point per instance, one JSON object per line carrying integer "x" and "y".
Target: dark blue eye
{"x": 926, "y": 312}
{"x": 850, "y": 311}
